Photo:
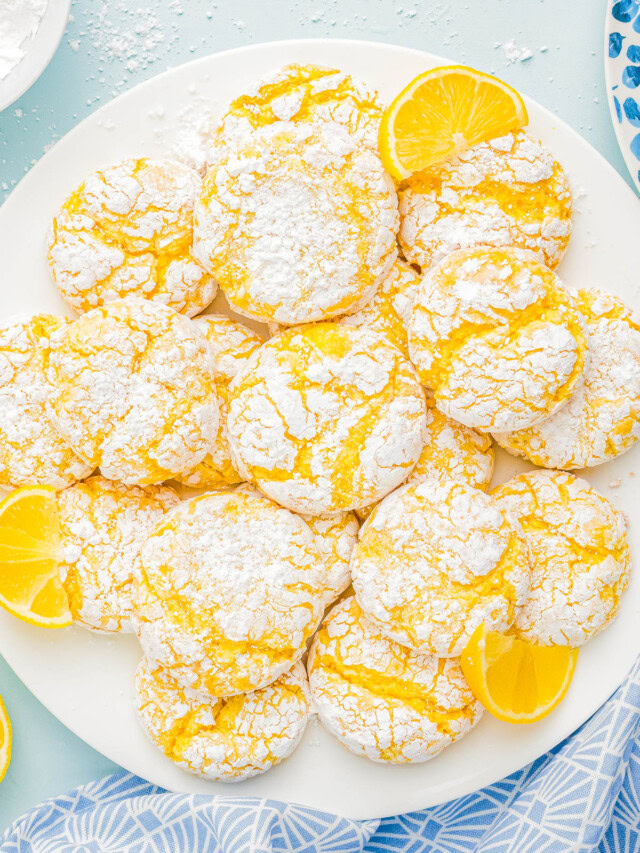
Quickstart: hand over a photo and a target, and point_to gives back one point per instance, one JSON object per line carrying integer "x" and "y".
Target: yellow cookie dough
{"x": 497, "y": 338}
{"x": 435, "y": 560}
{"x": 580, "y": 560}
{"x": 231, "y": 587}
{"x": 128, "y": 230}
{"x": 389, "y": 310}
{"x": 326, "y": 418}
{"x": 103, "y": 525}
{"x": 133, "y": 391}
{"x": 508, "y": 191}
{"x": 231, "y": 344}
{"x": 381, "y": 699}
{"x": 224, "y": 739}
{"x": 452, "y": 452}
{"x": 298, "y": 223}
{"x": 302, "y": 93}
{"x": 32, "y": 451}
{"x": 602, "y": 418}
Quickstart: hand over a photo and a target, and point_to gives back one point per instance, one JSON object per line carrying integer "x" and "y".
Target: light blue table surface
{"x": 102, "y": 55}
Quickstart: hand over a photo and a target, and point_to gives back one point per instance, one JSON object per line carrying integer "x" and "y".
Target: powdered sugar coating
{"x": 302, "y": 93}
{"x": 435, "y": 560}
{"x": 225, "y": 739}
{"x": 231, "y": 587}
{"x": 326, "y": 418}
{"x": 335, "y": 537}
{"x": 297, "y": 224}
{"x": 389, "y": 310}
{"x": 134, "y": 392}
{"x": 580, "y": 560}
{"x": 381, "y": 699}
{"x": 602, "y": 418}
{"x": 508, "y": 191}
{"x": 128, "y": 230}
{"x": 452, "y": 452}
{"x": 497, "y": 337}
{"x": 103, "y": 524}
{"x": 32, "y": 452}
{"x": 231, "y": 344}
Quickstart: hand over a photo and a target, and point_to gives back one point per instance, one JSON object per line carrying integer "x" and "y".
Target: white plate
{"x": 85, "y": 680}
{"x": 38, "y": 53}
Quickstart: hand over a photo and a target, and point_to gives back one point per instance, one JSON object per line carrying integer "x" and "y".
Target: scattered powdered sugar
{"x": 602, "y": 418}
{"x": 102, "y": 526}
{"x": 326, "y": 418}
{"x": 435, "y": 560}
{"x": 126, "y": 230}
{"x": 298, "y": 224}
{"x": 134, "y": 392}
{"x": 225, "y": 739}
{"x": 383, "y": 700}
{"x": 580, "y": 559}
{"x": 514, "y": 53}
{"x": 246, "y": 585}
{"x": 19, "y": 23}
{"x": 508, "y": 191}
{"x": 482, "y": 337}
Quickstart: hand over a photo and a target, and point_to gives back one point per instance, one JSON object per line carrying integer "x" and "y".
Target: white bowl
{"x": 38, "y": 53}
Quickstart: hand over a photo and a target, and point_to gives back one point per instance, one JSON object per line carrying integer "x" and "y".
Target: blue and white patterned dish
{"x": 622, "y": 73}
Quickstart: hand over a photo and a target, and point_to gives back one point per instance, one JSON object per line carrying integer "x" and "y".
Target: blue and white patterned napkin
{"x": 582, "y": 796}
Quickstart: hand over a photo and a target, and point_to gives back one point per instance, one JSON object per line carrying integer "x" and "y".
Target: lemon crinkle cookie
{"x": 435, "y": 560}
{"x": 128, "y": 229}
{"x": 335, "y": 537}
{"x": 302, "y": 93}
{"x": 326, "y": 418}
{"x": 602, "y": 418}
{"x": 580, "y": 560}
{"x": 383, "y": 700}
{"x": 452, "y": 451}
{"x": 497, "y": 338}
{"x": 102, "y": 527}
{"x": 231, "y": 344}
{"x": 297, "y": 224}
{"x": 224, "y": 739}
{"x": 508, "y": 191}
{"x": 133, "y": 390}
{"x": 32, "y": 452}
{"x": 389, "y": 310}
{"x": 230, "y": 588}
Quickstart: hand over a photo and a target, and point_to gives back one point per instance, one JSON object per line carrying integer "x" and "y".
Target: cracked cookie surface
{"x": 32, "y": 451}
{"x": 498, "y": 339}
{"x": 230, "y": 344}
{"x": 508, "y": 191}
{"x": 302, "y": 93}
{"x": 326, "y": 418}
{"x": 435, "y": 560}
{"x": 297, "y": 224}
{"x": 103, "y": 525}
{"x": 128, "y": 230}
{"x": 133, "y": 390}
{"x": 230, "y": 588}
{"x": 383, "y": 700}
{"x": 580, "y": 560}
{"x": 602, "y": 418}
{"x": 227, "y": 739}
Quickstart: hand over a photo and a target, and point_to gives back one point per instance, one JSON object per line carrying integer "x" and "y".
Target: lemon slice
{"x": 30, "y": 585}
{"x": 5, "y": 740}
{"x": 517, "y": 681}
{"x": 442, "y": 112}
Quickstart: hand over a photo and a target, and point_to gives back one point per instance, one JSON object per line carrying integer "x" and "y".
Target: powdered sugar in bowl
{"x": 30, "y": 33}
